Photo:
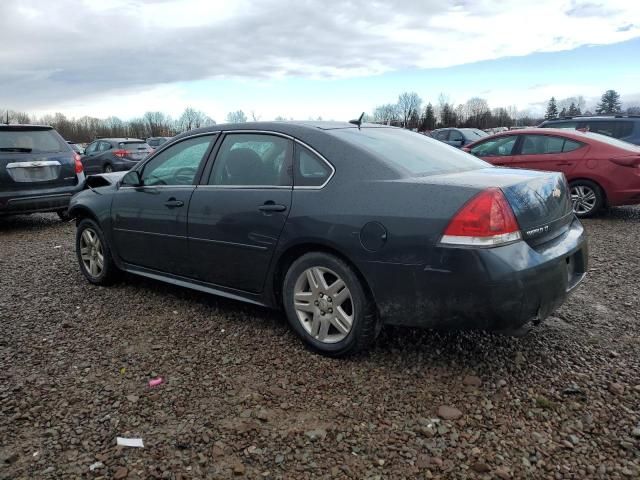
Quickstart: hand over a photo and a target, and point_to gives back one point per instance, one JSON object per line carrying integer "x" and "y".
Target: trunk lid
{"x": 34, "y": 157}
{"x": 135, "y": 151}
{"x": 539, "y": 200}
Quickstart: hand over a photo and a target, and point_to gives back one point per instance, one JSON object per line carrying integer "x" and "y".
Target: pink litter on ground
{"x": 154, "y": 382}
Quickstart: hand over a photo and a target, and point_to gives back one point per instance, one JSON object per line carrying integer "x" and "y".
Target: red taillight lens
{"x": 486, "y": 220}
{"x": 77, "y": 160}
{"x": 120, "y": 153}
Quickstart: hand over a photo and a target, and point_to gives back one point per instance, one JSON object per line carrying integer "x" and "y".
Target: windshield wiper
{"x": 16, "y": 149}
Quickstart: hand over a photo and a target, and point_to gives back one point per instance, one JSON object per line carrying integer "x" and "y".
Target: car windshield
{"x": 614, "y": 141}
{"x": 410, "y": 152}
{"x": 31, "y": 141}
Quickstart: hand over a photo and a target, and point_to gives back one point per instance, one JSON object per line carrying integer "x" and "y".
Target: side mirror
{"x": 131, "y": 179}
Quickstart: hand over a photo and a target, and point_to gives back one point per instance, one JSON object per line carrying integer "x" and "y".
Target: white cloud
{"x": 56, "y": 53}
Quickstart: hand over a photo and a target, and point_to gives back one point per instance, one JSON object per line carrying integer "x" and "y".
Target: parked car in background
{"x": 344, "y": 227}
{"x": 602, "y": 171}
{"x": 39, "y": 171}
{"x": 458, "y": 137}
{"x": 114, "y": 154}
{"x": 76, "y": 147}
{"x": 623, "y": 127}
{"x": 157, "y": 142}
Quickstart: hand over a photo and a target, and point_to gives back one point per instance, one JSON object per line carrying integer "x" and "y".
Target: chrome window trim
{"x": 34, "y": 164}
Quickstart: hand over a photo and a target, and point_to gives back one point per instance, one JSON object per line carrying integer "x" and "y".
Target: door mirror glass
{"x": 131, "y": 179}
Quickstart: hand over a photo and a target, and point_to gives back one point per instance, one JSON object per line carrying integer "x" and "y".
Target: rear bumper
{"x": 38, "y": 200}
{"x": 500, "y": 288}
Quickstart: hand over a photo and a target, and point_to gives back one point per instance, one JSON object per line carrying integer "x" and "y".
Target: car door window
{"x": 91, "y": 148}
{"x": 455, "y": 136}
{"x": 442, "y": 135}
{"x": 252, "y": 159}
{"x": 496, "y": 147}
{"x": 103, "y": 146}
{"x": 309, "y": 170}
{"x": 568, "y": 125}
{"x": 541, "y": 144}
{"x": 178, "y": 164}
{"x": 570, "y": 146}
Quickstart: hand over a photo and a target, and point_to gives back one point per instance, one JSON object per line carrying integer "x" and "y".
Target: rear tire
{"x": 587, "y": 198}
{"x": 94, "y": 254}
{"x": 107, "y": 168}
{"x": 327, "y": 305}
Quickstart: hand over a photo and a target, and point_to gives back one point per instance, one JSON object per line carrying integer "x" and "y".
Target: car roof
{"x": 24, "y": 126}
{"x": 594, "y": 117}
{"x": 119, "y": 140}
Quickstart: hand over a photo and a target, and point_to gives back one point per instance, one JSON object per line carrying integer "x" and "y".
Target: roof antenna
{"x": 358, "y": 122}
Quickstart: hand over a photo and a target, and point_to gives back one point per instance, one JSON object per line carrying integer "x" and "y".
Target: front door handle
{"x": 272, "y": 207}
{"x": 173, "y": 203}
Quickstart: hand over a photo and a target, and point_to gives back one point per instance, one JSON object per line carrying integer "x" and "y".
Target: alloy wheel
{"x": 584, "y": 199}
{"x": 91, "y": 252}
{"x": 323, "y": 305}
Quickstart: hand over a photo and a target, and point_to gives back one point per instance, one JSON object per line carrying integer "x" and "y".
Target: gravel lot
{"x": 243, "y": 397}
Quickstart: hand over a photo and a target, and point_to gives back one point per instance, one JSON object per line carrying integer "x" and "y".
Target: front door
{"x": 496, "y": 150}
{"x": 237, "y": 214}
{"x": 150, "y": 221}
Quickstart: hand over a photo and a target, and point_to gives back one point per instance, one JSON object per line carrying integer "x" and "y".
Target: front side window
{"x": 443, "y": 135}
{"x": 91, "y": 148}
{"x": 309, "y": 170}
{"x": 496, "y": 147}
{"x": 178, "y": 164}
{"x": 104, "y": 146}
{"x": 253, "y": 159}
{"x": 569, "y": 125}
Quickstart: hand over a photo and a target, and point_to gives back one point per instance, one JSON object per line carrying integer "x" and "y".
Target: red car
{"x": 602, "y": 171}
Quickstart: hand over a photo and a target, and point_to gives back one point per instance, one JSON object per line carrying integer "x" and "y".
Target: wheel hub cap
{"x": 323, "y": 305}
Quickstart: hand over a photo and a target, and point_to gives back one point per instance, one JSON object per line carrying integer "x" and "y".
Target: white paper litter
{"x": 130, "y": 442}
{"x": 95, "y": 466}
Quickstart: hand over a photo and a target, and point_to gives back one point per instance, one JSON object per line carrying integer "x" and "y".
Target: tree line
{"x": 409, "y": 111}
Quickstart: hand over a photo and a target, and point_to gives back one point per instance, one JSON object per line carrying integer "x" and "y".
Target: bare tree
{"x": 236, "y": 117}
{"x": 387, "y": 113}
{"x": 254, "y": 117}
{"x": 190, "y": 119}
{"x": 409, "y": 104}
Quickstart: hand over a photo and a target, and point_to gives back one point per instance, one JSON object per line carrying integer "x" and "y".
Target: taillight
{"x": 630, "y": 161}
{"x": 486, "y": 220}
{"x": 78, "y": 162}
{"x": 120, "y": 153}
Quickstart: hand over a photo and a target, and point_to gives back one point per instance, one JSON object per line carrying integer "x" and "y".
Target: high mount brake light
{"x": 486, "y": 220}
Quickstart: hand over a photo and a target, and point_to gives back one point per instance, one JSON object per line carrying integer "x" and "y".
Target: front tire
{"x": 327, "y": 305}
{"x": 94, "y": 254}
{"x": 587, "y": 198}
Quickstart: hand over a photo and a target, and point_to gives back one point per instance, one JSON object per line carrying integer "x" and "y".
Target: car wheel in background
{"x": 586, "y": 197}
{"x": 328, "y": 306}
{"x": 94, "y": 255}
{"x": 107, "y": 168}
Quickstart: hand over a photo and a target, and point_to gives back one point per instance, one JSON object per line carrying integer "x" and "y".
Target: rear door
{"x": 496, "y": 150}
{"x": 548, "y": 152}
{"x": 90, "y": 160}
{"x": 150, "y": 221}
{"x": 34, "y": 158}
{"x": 236, "y": 217}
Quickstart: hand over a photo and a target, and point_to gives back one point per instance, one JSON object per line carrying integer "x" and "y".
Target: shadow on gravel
{"x": 618, "y": 213}
{"x": 28, "y": 222}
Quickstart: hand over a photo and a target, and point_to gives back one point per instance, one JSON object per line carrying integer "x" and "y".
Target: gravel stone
{"x": 449, "y": 413}
{"x": 242, "y": 392}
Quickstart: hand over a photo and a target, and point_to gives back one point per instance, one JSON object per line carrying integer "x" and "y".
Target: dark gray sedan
{"x": 344, "y": 228}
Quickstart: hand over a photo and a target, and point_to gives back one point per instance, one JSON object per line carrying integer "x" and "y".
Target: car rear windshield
{"x": 614, "y": 141}
{"x": 410, "y": 152}
{"x": 133, "y": 146}
{"x": 31, "y": 141}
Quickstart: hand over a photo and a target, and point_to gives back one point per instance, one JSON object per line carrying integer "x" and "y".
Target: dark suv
{"x": 458, "y": 137}
{"x": 114, "y": 154}
{"x": 39, "y": 172}
{"x": 623, "y": 127}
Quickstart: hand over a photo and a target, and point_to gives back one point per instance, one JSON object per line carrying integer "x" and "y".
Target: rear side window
{"x": 541, "y": 144}
{"x": 570, "y": 145}
{"x": 409, "y": 152}
{"x": 31, "y": 141}
{"x": 253, "y": 160}
{"x": 496, "y": 147}
{"x": 309, "y": 170}
{"x": 570, "y": 124}
{"x": 612, "y": 128}
{"x": 133, "y": 146}
{"x": 455, "y": 135}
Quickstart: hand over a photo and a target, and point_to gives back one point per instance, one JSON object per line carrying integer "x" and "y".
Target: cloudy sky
{"x": 302, "y": 58}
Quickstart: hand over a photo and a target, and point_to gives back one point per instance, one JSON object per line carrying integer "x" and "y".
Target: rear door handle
{"x": 173, "y": 203}
{"x": 563, "y": 163}
{"x": 272, "y": 207}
